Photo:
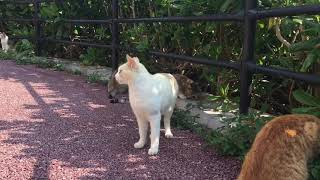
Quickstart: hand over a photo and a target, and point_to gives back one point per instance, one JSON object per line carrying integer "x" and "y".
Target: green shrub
{"x": 94, "y": 78}
{"x": 237, "y": 134}
{"x": 25, "y": 46}
{"x": 311, "y": 104}
{"x": 314, "y": 169}
{"x": 234, "y": 138}
{"x": 182, "y": 119}
{"x": 9, "y": 55}
{"x": 59, "y": 67}
{"x": 92, "y": 56}
{"x": 77, "y": 72}
{"x": 23, "y": 60}
{"x": 46, "y": 64}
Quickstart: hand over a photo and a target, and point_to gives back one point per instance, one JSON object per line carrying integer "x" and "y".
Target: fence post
{"x": 115, "y": 35}
{"x": 248, "y": 56}
{"x": 37, "y": 25}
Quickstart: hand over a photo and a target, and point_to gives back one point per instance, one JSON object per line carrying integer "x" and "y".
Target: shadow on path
{"x": 55, "y": 125}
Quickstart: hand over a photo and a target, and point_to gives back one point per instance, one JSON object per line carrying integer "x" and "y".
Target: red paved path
{"x": 54, "y": 125}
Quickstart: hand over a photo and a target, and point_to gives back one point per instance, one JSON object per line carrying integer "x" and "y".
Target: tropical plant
{"x": 311, "y": 105}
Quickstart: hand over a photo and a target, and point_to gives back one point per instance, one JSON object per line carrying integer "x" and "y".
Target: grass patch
{"x": 46, "y": 64}
{"x": 59, "y": 67}
{"x": 94, "y": 78}
{"x": 233, "y": 139}
{"x": 10, "y": 55}
{"x": 76, "y": 72}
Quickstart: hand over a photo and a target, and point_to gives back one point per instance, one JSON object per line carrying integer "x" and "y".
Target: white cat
{"x": 150, "y": 96}
{"x": 4, "y": 41}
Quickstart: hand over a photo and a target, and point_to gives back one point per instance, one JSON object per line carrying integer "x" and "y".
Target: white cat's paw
{"x": 168, "y": 135}
{"x": 153, "y": 151}
{"x": 138, "y": 145}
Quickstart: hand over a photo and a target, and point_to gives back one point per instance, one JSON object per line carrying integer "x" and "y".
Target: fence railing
{"x": 247, "y": 65}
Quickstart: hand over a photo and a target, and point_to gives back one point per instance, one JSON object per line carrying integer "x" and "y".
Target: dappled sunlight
{"x": 190, "y": 145}
{"x": 139, "y": 167}
{"x": 12, "y": 80}
{"x": 71, "y": 138}
{"x": 134, "y": 158}
{"x": 35, "y": 75}
{"x": 108, "y": 127}
{"x": 48, "y": 133}
{"x": 94, "y": 106}
{"x": 121, "y": 125}
{"x": 92, "y": 170}
{"x": 154, "y": 157}
{"x": 40, "y": 85}
{"x": 127, "y": 118}
{"x": 55, "y": 129}
{"x": 69, "y": 80}
{"x": 95, "y": 89}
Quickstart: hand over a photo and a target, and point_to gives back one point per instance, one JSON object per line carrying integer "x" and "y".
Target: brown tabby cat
{"x": 114, "y": 88}
{"x": 187, "y": 88}
{"x": 282, "y": 148}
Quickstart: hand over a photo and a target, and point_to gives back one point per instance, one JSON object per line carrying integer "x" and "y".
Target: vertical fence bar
{"x": 248, "y": 56}
{"x": 37, "y": 25}
{"x": 115, "y": 35}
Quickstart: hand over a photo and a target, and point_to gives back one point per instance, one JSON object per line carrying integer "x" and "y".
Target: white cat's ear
{"x": 128, "y": 57}
{"x": 132, "y": 63}
{"x": 136, "y": 59}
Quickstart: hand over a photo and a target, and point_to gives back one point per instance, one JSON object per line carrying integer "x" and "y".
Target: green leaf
{"x": 225, "y": 5}
{"x": 306, "y": 98}
{"x": 305, "y": 110}
{"x": 305, "y": 45}
{"x": 299, "y": 21}
{"x": 271, "y": 23}
{"x": 143, "y": 46}
{"x": 311, "y": 58}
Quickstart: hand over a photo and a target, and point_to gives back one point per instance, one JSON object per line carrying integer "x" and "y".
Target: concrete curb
{"x": 208, "y": 117}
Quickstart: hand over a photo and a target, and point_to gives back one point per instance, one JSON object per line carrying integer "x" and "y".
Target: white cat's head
{"x": 2, "y": 35}
{"x": 129, "y": 70}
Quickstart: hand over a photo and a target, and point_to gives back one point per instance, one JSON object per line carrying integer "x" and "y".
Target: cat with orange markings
{"x": 282, "y": 149}
{"x": 151, "y": 96}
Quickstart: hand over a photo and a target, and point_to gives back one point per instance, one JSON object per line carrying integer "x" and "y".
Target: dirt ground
{"x": 54, "y": 125}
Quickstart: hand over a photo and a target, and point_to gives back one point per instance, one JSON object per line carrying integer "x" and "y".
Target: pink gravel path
{"x": 54, "y": 125}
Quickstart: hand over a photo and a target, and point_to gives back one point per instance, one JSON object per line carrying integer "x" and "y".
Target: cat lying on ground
{"x": 282, "y": 148}
{"x": 4, "y": 41}
{"x": 150, "y": 96}
{"x": 187, "y": 89}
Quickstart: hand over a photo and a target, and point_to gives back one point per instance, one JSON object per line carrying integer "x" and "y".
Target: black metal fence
{"x": 247, "y": 66}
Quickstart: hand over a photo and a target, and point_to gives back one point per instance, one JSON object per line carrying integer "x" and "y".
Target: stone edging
{"x": 207, "y": 117}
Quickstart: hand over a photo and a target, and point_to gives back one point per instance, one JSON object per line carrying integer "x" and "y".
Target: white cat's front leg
{"x": 143, "y": 130}
{"x": 155, "y": 133}
{"x": 166, "y": 118}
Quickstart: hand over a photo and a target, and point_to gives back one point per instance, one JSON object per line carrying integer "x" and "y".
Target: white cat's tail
{"x": 173, "y": 83}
